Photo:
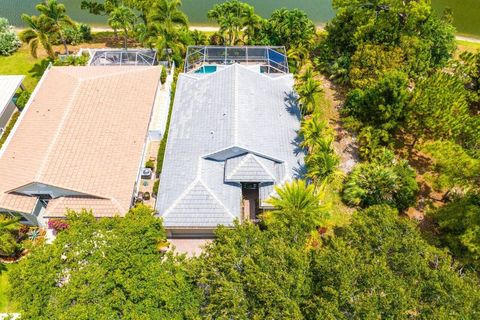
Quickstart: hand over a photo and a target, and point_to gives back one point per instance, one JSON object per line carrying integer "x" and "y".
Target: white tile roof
{"x": 219, "y": 116}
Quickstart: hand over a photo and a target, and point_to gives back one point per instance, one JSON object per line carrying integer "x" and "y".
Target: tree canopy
{"x": 382, "y": 181}
{"x": 102, "y": 269}
{"x": 380, "y": 35}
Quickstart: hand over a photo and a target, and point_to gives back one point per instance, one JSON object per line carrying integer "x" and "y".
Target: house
{"x": 8, "y": 87}
{"x": 80, "y": 143}
{"x": 232, "y": 138}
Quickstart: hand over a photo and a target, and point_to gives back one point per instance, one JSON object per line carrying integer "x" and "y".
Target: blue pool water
{"x": 206, "y": 69}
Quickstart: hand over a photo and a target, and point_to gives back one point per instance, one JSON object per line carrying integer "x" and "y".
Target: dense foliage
{"x": 377, "y": 267}
{"x": 382, "y": 181}
{"x": 99, "y": 269}
{"x": 9, "y": 42}
{"x": 376, "y": 36}
{"x": 459, "y": 227}
{"x": 8, "y": 235}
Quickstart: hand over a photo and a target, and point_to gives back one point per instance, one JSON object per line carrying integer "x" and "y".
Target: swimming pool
{"x": 206, "y": 69}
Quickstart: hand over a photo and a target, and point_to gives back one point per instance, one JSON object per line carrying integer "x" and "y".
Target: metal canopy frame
{"x": 272, "y": 59}
{"x": 133, "y": 57}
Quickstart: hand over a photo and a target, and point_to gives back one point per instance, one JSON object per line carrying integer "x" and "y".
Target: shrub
{"x": 150, "y": 164}
{"x": 71, "y": 61}
{"x": 9, "y": 42}
{"x": 57, "y": 224}
{"x": 23, "y": 99}
{"x": 384, "y": 181}
{"x": 86, "y": 31}
{"x": 72, "y": 35}
{"x": 163, "y": 75}
{"x": 156, "y": 184}
{"x": 163, "y": 143}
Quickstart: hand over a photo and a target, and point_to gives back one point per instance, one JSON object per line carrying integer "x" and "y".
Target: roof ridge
{"x": 239, "y": 165}
{"x": 264, "y": 168}
{"x": 216, "y": 198}
{"x": 196, "y": 182}
{"x": 184, "y": 193}
{"x": 235, "y": 104}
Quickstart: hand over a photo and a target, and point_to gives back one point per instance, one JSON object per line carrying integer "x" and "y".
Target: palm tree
{"x": 322, "y": 166}
{"x": 308, "y": 93}
{"x": 235, "y": 17}
{"x": 166, "y": 26}
{"x": 252, "y": 24}
{"x": 295, "y": 196}
{"x": 122, "y": 18}
{"x": 297, "y": 207}
{"x": 56, "y": 12}
{"x": 298, "y": 56}
{"x": 312, "y": 131}
{"x": 38, "y": 32}
{"x": 307, "y": 73}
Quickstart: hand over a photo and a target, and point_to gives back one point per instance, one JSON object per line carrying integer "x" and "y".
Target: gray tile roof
{"x": 247, "y": 168}
{"x": 226, "y": 126}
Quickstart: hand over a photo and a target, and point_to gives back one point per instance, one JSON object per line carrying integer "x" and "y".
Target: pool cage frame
{"x": 272, "y": 59}
{"x": 119, "y": 57}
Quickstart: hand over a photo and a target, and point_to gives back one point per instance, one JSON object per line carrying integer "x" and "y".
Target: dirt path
{"x": 344, "y": 144}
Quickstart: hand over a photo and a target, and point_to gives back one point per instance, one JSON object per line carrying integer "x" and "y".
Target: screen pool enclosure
{"x": 202, "y": 59}
{"x": 135, "y": 57}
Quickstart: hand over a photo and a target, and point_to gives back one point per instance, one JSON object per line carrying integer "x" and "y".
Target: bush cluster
{"x": 9, "y": 42}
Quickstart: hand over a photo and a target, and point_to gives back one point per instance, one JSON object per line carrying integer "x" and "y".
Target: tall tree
{"x": 290, "y": 28}
{"x": 57, "y": 13}
{"x": 399, "y": 33}
{"x": 123, "y": 18}
{"x": 107, "y": 268}
{"x": 167, "y": 25}
{"x": 452, "y": 167}
{"x": 384, "y": 181}
{"x": 38, "y": 32}
{"x": 380, "y": 267}
{"x": 308, "y": 95}
{"x": 439, "y": 108}
{"x": 234, "y": 19}
{"x": 458, "y": 224}
{"x": 247, "y": 273}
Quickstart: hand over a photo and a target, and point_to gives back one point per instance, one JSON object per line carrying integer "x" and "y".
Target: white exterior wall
{"x": 160, "y": 108}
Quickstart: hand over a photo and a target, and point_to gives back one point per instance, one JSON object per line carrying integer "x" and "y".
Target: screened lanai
{"x": 270, "y": 59}
{"x": 136, "y": 57}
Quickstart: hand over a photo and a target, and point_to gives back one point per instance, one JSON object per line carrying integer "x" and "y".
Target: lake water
{"x": 466, "y": 12}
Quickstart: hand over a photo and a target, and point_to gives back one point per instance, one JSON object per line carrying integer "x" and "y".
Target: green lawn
{"x": 5, "y": 304}
{"x": 21, "y": 62}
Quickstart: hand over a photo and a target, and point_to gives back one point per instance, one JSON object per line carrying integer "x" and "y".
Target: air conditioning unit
{"x": 146, "y": 173}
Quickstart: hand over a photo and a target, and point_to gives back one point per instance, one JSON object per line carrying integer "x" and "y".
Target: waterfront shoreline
{"x": 207, "y": 28}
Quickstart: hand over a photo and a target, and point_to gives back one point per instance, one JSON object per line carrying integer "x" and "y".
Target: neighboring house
{"x": 8, "y": 87}
{"x": 80, "y": 143}
{"x": 232, "y": 138}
